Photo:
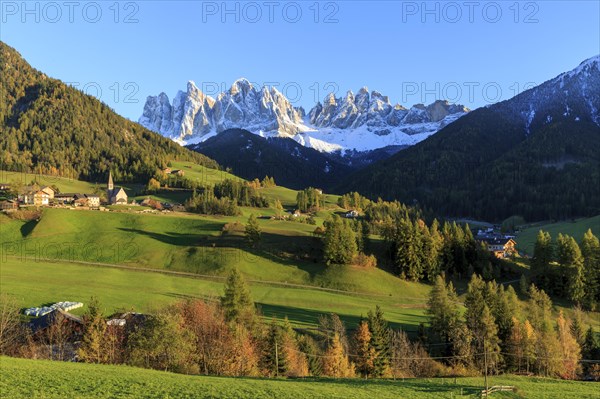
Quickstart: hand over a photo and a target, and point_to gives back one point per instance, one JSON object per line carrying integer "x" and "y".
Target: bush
{"x": 232, "y": 228}
{"x": 363, "y": 260}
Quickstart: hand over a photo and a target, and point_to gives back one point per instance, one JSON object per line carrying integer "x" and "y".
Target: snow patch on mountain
{"x": 573, "y": 94}
{"x": 361, "y": 122}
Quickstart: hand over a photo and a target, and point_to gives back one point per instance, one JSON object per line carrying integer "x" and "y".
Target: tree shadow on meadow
{"x": 302, "y": 252}
{"x": 310, "y": 318}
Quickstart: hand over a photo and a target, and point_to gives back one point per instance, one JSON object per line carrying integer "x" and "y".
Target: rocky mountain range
{"x": 360, "y": 122}
{"x": 536, "y": 155}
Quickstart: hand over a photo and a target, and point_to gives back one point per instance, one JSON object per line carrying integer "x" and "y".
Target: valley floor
{"x": 53, "y": 380}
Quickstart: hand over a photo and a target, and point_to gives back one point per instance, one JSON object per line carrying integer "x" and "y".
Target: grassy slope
{"x": 193, "y": 243}
{"x": 202, "y": 174}
{"x": 65, "y": 184}
{"x": 526, "y": 238}
{"x": 36, "y": 282}
{"x": 48, "y": 380}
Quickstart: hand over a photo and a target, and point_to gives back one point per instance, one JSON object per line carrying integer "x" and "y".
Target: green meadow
{"x": 65, "y": 184}
{"x": 33, "y": 283}
{"x": 576, "y": 228}
{"x": 40, "y": 379}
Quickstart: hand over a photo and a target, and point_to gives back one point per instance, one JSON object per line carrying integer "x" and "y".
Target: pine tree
{"x": 571, "y": 351}
{"x": 408, "y": 251}
{"x": 443, "y": 310}
{"x": 274, "y": 361}
{"x": 339, "y": 242}
{"x": 542, "y": 256}
{"x": 523, "y": 287}
{"x": 503, "y": 314}
{"x": 365, "y": 353}
{"x": 547, "y": 351}
{"x": 295, "y": 361}
{"x": 307, "y": 344}
{"x": 515, "y": 346}
{"x": 252, "y": 231}
{"x": 161, "y": 343}
{"x": 514, "y": 305}
{"x": 488, "y": 341}
{"x": 236, "y": 301}
{"x": 591, "y": 345}
{"x": 529, "y": 345}
{"x": 93, "y": 343}
{"x": 576, "y": 326}
{"x": 278, "y": 208}
{"x": 474, "y": 303}
{"x": 540, "y": 309}
{"x": 590, "y": 250}
{"x": 335, "y": 361}
{"x": 571, "y": 262}
{"x": 380, "y": 341}
{"x": 432, "y": 246}
{"x": 460, "y": 340}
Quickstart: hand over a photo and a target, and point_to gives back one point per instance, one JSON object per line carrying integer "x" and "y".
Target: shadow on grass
{"x": 431, "y": 385}
{"x": 299, "y": 251}
{"x": 311, "y": 317}
{"x": 174, "y": 238}
{"x": 28, "y": 227}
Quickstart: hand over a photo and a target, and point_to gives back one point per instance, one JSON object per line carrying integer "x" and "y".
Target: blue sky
{"x": 473, "y": 53}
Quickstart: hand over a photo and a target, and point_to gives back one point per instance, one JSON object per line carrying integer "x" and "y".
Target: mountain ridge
{"x": 363, "y": 122}
{"x": 536, "y": 155}
{"x": 55, "y": 129}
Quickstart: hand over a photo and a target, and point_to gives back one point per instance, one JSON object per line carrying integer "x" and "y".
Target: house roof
{"x": 118, "y": 191}
{"x": 45, "y": 321}
{"x": 497, "y": 240}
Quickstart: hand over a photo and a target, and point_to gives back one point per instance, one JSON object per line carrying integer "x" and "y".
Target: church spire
{"x": 110, "y": 186}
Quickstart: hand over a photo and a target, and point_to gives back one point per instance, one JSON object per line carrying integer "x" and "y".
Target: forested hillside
{"x": 49, "y": 127}
{"x": 291, "y": 164}
{"x": 536, "y": 155}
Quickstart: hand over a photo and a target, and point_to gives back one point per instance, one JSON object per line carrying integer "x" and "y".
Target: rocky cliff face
{"x": 364, "y": 121}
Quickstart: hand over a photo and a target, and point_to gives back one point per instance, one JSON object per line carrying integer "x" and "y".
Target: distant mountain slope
{"x": 49, "y": 127}
{"x": 536, "y": 155}
{"x": 363, "y": 122}
{"x": 291, "y": 164}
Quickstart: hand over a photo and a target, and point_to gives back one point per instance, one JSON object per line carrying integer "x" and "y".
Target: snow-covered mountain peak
{"x": 364, "y": 121}
{"x": 241, "y": 85}
{"x": 572, "y": 95}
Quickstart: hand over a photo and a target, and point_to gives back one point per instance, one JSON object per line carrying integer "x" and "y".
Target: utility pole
{"x": 485, "y": 365}
{"x": 276, "y": 361}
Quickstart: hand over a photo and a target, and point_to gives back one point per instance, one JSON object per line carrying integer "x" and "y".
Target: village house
{"x": 501, "y": 247}
{"x": 33, "y": 196}
{"x": 64, "y": 198}
{"x": 26, "y": 198}
{"x": 352, "y": 214}
{"x": 80, "y": 200}
{"x": 41, "y": 198}
{"x": 9, "y": 205}
{"x": 48, "y": 190}
{"x": 93, "y": 200}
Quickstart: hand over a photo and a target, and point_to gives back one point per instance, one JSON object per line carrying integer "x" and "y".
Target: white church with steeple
{"x": 115, "y": 196}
